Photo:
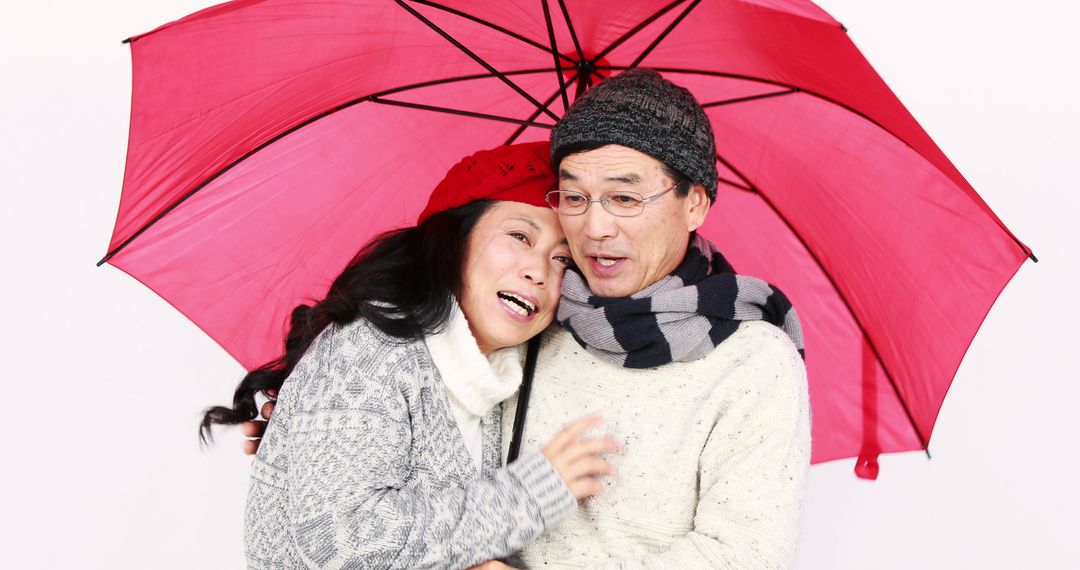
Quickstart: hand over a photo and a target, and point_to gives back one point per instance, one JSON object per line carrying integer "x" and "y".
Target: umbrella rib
{"x": 297, "y": 127}
{"x": 664, "y": 33}
{"x": 517, "y": 133}
{"x": 474, "y": 57}
{"x": 475, "y": 115}
{"x": 741, "y": 177}
{"x": 636, "y": 29}
{"x": 748, "y": 186}
{"x": 458, "y": 79}
{"x": 488, "y": 24}
{"x": 555, "y": 54}
{"x": 570, "y": 28}
{"x": 851, "y": 311}
{"x": 704, "y": 72}
{"x": 743, "y": 100}
{"x": 733, "y": 184}
{"x": 749, "y": 98}
{"x": 1027, "y": 251}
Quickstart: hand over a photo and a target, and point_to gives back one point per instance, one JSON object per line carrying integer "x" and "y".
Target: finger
{"x": 251, "y": 446}
{"x": 584, "y": 488}
{"x": 583, "y": 449}
{"x": 591, "y": 446}
{"x": 589, "y": 467}
{"x": 574, "y": 429}
{"x": 271, "y": 393}
{"x": 253, "y": 428}
{"x": 267, "y": 410}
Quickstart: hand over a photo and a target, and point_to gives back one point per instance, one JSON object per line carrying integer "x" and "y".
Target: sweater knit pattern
{"x": 363, "y": 466}
{"x": 714, "y": 459}
{"x": 474, "y": 383}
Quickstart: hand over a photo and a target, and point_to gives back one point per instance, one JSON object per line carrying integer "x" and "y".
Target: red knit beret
{"x": 515, "y": 173}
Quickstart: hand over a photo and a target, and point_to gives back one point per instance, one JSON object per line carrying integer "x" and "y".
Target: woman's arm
{"x": 349, "y": 448}
{"x": 349, "y": 411}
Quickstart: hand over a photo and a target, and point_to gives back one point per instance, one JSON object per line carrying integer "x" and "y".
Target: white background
{"x": 103, "y": 381}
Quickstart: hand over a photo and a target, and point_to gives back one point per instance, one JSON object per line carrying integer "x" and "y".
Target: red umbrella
{"x": 271, "y": 138}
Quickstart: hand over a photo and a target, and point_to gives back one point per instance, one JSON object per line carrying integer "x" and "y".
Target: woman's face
{"x": 513, "y": 270}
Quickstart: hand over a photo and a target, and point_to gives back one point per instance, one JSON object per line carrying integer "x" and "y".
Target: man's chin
{"x": 609, "y": 287}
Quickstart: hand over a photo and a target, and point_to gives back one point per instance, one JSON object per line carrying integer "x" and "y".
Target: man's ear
{"x": 697, "y": 205}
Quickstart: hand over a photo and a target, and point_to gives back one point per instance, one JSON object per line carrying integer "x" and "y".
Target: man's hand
{"x": 253, "y": 430}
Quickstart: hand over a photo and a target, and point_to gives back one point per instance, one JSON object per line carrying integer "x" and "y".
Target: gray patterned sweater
{"x": 363, "y": 466}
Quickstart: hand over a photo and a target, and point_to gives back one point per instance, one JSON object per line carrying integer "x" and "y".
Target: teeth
{"x": 519, "y": 304}
{"x": 605, "y": 261}
{"x": 515, "y": 307}
{"x": 528, "y": 304}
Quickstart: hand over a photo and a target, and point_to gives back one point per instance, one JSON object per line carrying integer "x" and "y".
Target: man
{"x": 696, "y": 370}
{"x": 710, "y": 404}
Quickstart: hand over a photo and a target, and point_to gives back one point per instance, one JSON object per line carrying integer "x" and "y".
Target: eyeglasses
{"x": 620, "y": 203}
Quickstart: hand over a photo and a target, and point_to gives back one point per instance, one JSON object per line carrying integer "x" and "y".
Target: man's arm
{"x": 752, "y": 474}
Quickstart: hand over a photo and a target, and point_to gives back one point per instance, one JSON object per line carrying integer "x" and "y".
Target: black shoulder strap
{"x": 531, "y": 353}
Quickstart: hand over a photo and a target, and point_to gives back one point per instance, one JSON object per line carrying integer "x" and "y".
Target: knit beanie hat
{"x": 641, "y": 110}
{"x": 515, "y": 173}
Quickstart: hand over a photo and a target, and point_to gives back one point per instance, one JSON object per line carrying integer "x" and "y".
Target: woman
{"x": 383, "y": 450}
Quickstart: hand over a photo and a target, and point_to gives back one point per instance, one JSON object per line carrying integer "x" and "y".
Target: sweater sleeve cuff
{"x": 544, "y": 487}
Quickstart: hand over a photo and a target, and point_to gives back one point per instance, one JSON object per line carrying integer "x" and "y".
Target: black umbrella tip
{"x": 125, "y": 41}
{"x": 1031, "y": 255}
{"x": 843, "y": 28}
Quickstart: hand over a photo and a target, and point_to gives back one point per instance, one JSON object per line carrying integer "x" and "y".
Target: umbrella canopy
{"x": 270, "y": 139}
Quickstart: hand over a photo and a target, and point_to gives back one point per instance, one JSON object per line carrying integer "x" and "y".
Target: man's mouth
{"x": 604, "y": 265}
{"x": 517, "y": 303}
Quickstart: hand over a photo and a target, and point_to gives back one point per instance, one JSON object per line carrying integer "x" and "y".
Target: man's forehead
{"x": 611, "y": 163}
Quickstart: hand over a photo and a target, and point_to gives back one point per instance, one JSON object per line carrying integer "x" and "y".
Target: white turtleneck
{"x": 474, "y": 384}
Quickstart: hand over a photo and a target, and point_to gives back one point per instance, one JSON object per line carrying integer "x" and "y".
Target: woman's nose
{"x": 536, "y": 271}
{"x": 535, "y": 277}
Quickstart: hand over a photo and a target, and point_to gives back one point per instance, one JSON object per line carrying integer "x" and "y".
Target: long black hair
{"x": 402, "y": 282}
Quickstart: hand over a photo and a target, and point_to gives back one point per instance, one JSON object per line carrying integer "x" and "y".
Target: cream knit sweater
{"x": 714, "y": 460}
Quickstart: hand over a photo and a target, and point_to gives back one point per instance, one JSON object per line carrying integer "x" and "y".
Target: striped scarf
{"x": 680, "y": 318}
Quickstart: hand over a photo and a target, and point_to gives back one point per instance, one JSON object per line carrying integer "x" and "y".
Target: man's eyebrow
{"x": 629, "y": 178}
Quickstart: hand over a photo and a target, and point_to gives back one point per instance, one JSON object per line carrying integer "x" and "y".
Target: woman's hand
{"x": 253, "y": 430}
{"x": 577, "y": 459}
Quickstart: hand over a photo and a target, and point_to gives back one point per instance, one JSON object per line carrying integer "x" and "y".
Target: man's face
{"x": 621, "y": 256}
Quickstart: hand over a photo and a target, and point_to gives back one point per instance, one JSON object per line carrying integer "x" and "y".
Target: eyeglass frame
{"x": 645, "y": 200}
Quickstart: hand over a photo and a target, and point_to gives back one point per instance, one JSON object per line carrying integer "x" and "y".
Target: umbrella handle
{"x": 531, "y": 352}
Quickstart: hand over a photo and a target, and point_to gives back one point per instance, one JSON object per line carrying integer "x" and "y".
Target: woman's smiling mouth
{"x": 518, "y": 304}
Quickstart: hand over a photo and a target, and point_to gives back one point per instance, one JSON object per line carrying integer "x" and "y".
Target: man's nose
{"x": 599, "y": 223}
